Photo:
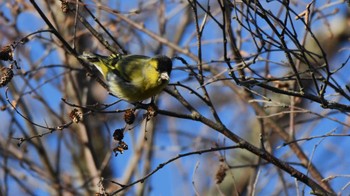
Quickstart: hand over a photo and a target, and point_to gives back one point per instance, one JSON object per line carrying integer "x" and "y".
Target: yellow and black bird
{"x": 133, "y": 78}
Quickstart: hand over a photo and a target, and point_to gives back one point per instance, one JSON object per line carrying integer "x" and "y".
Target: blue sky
{"x": 174, "y": 136}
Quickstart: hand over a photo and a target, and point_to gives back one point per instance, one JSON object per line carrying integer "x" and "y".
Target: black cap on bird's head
{"x": 164, "y": 66}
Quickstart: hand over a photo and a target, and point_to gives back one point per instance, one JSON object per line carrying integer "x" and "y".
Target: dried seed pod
{"x": 221, "y": 173}
{"x": 129, "y": 116}
{"x": 6, "y": 74}
{"x": 6, "y": 53}
{"x": 75, "y": 115}
{"x": 152, "y": 110}
{"x": 64, "y": 6}
{"x": 3, "y": 108}
{"x": 120, "y": 148}
{"x": 118, "y": 134}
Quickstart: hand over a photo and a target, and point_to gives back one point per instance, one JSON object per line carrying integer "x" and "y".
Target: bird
{"x": 133, "y": 78}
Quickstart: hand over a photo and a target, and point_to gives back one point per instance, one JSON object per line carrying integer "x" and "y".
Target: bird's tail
{"x": 91, "y": 57}
{"x": 102, "y": 63}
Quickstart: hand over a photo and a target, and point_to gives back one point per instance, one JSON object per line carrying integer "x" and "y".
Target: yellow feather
{"x": 133, "y": 77}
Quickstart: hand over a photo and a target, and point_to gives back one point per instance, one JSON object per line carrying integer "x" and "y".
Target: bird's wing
{"x": 130, "y": 68}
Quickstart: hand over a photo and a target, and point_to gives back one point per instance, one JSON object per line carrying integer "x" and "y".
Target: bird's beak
{"x": 164, "y": 76}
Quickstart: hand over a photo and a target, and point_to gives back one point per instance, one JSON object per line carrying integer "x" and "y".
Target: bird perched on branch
{"x": 132, "y": 78}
